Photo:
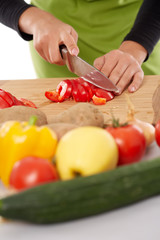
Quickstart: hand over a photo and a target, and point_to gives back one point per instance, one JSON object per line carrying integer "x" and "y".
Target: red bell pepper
{"x": 80, "y": 91}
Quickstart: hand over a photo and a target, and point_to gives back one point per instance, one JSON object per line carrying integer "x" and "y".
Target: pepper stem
{"x": 32, "y": 120}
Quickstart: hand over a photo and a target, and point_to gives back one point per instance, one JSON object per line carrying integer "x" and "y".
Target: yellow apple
{"x": 85, "y": 151}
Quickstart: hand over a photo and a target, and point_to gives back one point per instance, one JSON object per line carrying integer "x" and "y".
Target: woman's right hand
{"x": 48, "y": 34}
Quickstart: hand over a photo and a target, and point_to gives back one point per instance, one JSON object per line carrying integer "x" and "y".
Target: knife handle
{"x": 61, "y": 47}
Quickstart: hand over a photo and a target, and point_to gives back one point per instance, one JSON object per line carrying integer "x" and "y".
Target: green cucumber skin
{"x": 84, "y": 196}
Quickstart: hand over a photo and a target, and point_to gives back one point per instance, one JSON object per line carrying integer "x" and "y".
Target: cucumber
{"x": 84, "y": 196}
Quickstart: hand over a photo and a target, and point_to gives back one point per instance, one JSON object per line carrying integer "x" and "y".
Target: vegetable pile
{"x": 77, "y": 146}
{"x": 70, "y": 145}
{"x": 80, "y": 91}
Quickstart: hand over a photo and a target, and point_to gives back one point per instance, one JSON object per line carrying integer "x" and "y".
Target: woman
{"x": 102, "y": 32}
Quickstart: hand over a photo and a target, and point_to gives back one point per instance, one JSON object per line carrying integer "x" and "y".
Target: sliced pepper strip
{"x": 3, "y": 103}
{"x": 28, "y": 103}
{"x": 75, "y": 91}
{"x": 64, "y": 89}
{"x": 7, "y": 97}
{"x": 79, "y": 93}
{"x": 86, "y": 86}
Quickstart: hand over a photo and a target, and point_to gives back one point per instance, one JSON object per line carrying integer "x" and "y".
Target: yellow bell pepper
{"x": 19, "y": 140}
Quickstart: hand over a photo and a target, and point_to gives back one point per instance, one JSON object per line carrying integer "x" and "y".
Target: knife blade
{"x": 86, "y": 71}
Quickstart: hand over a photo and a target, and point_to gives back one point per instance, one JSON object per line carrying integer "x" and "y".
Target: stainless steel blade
{"x": 87, "y": 72}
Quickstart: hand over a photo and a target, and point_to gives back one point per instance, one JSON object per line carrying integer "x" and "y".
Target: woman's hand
{"x": 48, "y": 34}
{"x": 123, "y": 66}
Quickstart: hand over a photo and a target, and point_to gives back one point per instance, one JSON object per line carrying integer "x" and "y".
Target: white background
{"x": 15, "y": 59}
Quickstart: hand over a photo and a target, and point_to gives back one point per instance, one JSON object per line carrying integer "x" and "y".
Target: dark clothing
{"x": 10, "y": 12}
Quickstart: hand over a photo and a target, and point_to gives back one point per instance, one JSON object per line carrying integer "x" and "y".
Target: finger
{"x": 39, "y": 50}
{"x": 75, "y": 35}
{"x": 71, "y": 45}
{"x": 55, "y": 56}
{"x": 47, "y": 53}
{"x": 111, "y": 60}
{"x": 118, "y": 71}
{"x": 126, "y": 79}
{"x": 137, "y": 81}
{"x": 99, "y": 62}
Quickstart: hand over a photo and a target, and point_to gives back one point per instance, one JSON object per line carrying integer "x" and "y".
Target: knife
{"x": 86, "y": 71}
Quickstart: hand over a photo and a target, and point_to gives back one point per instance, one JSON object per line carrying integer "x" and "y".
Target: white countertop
{"x": 140, "y": 221}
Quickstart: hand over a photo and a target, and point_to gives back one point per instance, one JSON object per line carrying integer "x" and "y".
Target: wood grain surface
{"x": 34, "y": 89}
{"x": 156, "y": 105}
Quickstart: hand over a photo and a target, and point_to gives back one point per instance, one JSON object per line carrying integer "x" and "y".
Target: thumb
{"x": 72, "y": 46}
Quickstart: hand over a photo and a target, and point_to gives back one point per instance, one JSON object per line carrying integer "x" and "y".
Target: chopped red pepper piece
{"x": 98, "y": 100}
{"x": 104, "y": 94}
{"x": 54, "y": 96}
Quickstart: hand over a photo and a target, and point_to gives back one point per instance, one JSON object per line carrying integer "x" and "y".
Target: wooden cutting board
{"x": 34, "y": 90}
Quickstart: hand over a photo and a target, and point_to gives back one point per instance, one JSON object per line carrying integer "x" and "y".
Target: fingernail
{"x": 119, "y": 91}
{"x": 75, "y": 51}
{"x": 132, "y": 89}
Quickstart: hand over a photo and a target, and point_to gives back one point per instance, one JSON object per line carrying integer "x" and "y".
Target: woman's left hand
{"x": 123, "y": 66}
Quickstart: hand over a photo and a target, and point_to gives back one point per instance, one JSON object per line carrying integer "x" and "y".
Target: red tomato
{"x": 131, "y": 143}
{"x": 104, "y": 94}
{"x": 157, "y": 133}
{"x": 32, "y": 171}
{"x": 98, "y": 100}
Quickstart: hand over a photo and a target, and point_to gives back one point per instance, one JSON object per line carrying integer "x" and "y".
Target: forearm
{"x": 135, "y": 49}
{"x": 146, "y": 29}
{"x": 10, "y": 12}
{"x": 33, "y": 19}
